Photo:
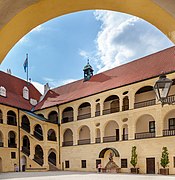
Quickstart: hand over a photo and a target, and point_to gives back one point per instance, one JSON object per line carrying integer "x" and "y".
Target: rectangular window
{"x": 83, "y": 163}
{"x": 171, "y": 123}
{"x": 124, "y": 163}
{"x": 66, "y": 164}
{"x": 152, "y": 126}
{"x": 98, "y": 161}
{"x": 13, "y": 155}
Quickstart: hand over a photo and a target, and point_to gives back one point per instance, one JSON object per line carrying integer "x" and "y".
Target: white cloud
{"x": 56, "y": 83}
{"x": 23, "y": 40}
{"x": 123, "y": 38}
{"x": 39, "y": 86}
{"x": 38, "y": 29}
{"x": 84, "y": 54}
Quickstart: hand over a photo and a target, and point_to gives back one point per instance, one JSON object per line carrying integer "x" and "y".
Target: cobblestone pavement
{"x": 63, "y": 175}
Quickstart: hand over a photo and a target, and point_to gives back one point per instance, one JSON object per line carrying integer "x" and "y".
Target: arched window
{"x": 3, "y": 91}
{"x": 12, "y": 139}
{"x": 53, "y": 117}
{"x": 84, "y": 135}
{"x": 38, "y": 157}
{"x": 145, "y": 96}
{"x": 111, "y": 104}
{"x": 68, "y": 138}
{"x": 111, "y": 132}
{"x": 11, "y": 118}
{"x": 1, "y": 117}
{"x": 67, "y": 115}
{"x": 97, "y": 112}
{"x": 125, "y": 106}
{"x": 51, "y": 136}
{"x": 25, "y": 123}
{"x": 38, "y": 132}
{"x": 25, "y": 93}
{"x": 26, "y": 146}
{"x": 84, "y": 111}
{"x": 52, "y": 158}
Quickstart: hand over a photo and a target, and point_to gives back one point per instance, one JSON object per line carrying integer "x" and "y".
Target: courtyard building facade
{"x": 95, "y": 120}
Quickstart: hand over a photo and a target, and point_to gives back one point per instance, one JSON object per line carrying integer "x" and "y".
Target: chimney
{"x": 46, "y": 88}
{"x": 9, "y": 71}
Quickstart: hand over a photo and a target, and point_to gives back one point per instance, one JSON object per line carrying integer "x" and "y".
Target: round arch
{"x": 25, "y": 124}
{"x": 102, "y": 152}
{"x": 49, "y": 9}
{"x": 52, "y": 157}
{"x": 169, "y": 116}
{"x": 51, "y": 135}
{"x": 68, "y": 137}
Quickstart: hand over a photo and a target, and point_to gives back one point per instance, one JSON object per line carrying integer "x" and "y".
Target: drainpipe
{"x": 19, "y": 137}
{"x": 59, "y": 138}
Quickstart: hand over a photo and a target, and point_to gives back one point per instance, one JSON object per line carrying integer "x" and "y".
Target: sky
{"x": 58, "y": 49}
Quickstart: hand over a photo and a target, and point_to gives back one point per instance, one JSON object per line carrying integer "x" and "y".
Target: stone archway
{"x": 14, "y": 16}
{"x": 110, "y": 159}
{"x": 23, "y": 163}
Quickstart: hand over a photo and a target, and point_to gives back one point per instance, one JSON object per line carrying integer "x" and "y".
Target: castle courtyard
{"x": 67, "y": 175}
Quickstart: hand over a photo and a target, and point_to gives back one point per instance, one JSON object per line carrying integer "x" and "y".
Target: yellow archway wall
{"x": 43, "y": 10}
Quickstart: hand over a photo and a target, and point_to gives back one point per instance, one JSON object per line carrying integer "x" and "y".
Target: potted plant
{"x": 164, "y": 161}
{"x": 134, "y": 161}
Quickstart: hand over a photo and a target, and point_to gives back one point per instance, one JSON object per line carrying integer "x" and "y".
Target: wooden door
{"x": 150, "y": 165}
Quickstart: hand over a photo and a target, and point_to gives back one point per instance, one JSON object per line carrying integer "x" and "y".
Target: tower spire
{"x": 88, "y": 71}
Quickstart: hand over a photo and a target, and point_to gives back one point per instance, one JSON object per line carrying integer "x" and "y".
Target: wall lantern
{"x": 162, "y": 88}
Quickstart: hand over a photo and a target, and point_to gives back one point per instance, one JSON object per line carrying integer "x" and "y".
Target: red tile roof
{"x": 135, "y": 71}
{"x": 14, "y": 89}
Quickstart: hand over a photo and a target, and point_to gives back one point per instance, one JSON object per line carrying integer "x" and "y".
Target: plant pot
{"x": 135, "y": 170}
{"x": 164, "y": 171}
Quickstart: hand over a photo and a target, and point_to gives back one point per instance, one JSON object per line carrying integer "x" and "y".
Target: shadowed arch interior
{"x": 102, "y": 153}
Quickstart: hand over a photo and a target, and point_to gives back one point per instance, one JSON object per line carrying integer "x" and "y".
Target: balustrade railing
{"x": 84, "y": 141}
{"x": 38, "y": 135}
{"x": 67, "y": 143}
{"x": 67, "y": 119}
{"x": 26, "y": 150}
{"x": 39, "y": 160}
{"x": 170, "y": 99}
{"x": 12, "y": 145}
{"x": 125, "y": 137}
{"x": 83, "y": 116}
{"x": 145, "y": 135}
{"x": 168, "y": 132}
{"x": 53, "y": 161}
{"x": 112, "y": 110}
{"x": 145, "y": 103}
{"x": 97, "y": 113}
{"x": 110, "y": 139}
{"x": 50, "y": 138}
{"x": 98, "y": 140}
{"x": 125, "y": 107}
{"x": 26, "y": 127}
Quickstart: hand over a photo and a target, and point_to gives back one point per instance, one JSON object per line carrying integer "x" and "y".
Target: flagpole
{"x": 27, "y": 67}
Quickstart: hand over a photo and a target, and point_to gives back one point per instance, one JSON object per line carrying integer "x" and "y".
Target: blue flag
{"x": 25, "y": 64}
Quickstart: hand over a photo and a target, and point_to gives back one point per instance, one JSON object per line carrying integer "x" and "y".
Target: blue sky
{"x": 58, "y": 49}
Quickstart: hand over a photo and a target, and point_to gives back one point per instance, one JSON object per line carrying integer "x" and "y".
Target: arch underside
{"x": 23, "y": 16}
{"x": 102, "y": 153}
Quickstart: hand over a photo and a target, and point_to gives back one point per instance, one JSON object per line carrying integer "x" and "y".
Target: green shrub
{"x": 165, "y": 157}
{"x": 134, "y": 157}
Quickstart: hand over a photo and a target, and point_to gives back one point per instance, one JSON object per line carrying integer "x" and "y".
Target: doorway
{"x": 150, "y": 165}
